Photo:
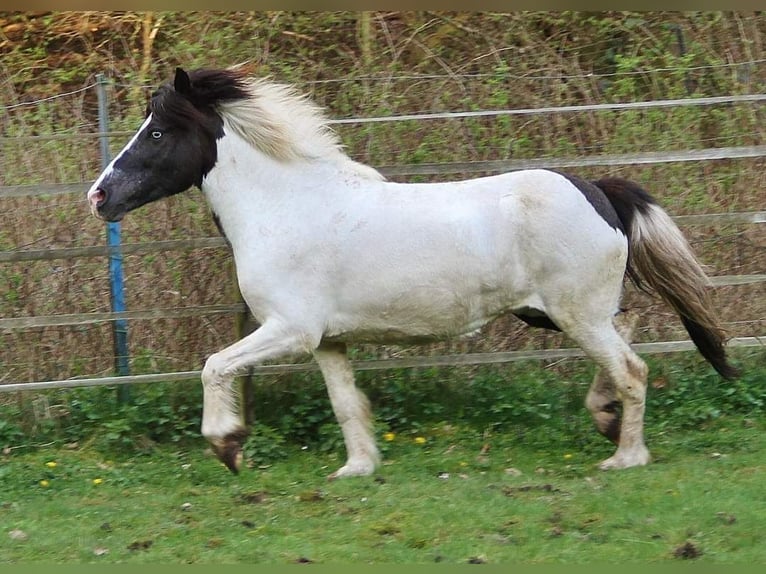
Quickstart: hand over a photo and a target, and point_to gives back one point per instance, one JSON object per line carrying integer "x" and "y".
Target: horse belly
{"x": 420, "y": 314}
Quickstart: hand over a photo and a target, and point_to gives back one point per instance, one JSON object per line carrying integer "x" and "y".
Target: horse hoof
{"x": 359, "y": 469}
{"x": 626, "y": 460}
{"x": 229, "y": 449}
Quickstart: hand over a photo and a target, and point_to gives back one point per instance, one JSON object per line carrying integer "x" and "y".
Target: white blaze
{"x": 94, "y": 188}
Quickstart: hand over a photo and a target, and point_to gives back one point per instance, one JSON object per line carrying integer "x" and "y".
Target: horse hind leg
{"x": 630, "y": 381}
{"x": 602, "y": 400}
{"x": 626, "y": 376}
{"x": 352, "y": 410}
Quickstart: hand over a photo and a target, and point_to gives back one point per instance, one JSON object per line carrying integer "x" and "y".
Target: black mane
{"x": 208, "y": 87}
{"x": 194, "y": 96}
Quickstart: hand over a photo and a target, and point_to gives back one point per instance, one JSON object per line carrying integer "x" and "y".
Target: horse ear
{"x": 182, "y": 83}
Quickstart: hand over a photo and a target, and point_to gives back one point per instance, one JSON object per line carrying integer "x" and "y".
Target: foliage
{"x": 157, "y": 413}
{"x": 11, "y": 432}
{"x": 264, "y": 446}
{"x": 528, "y": 402}
{"x": 153, "y": 415}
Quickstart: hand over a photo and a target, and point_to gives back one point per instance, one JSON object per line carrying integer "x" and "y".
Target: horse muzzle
{"x": 98, "y": 200}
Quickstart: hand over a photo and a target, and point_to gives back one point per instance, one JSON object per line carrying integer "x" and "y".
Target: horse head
{"x": 174, "y": 148}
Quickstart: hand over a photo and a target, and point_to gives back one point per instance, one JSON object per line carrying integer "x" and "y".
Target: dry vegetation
{"x": 357, "y": 65}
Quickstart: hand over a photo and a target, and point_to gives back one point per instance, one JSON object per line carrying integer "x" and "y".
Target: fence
{"x": 120, "y": 317}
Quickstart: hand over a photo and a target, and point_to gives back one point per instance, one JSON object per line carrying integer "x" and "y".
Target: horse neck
{"x": 247, "y": 186}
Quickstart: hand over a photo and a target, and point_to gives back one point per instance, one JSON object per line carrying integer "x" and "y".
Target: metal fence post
{"x": 116, "y": 284}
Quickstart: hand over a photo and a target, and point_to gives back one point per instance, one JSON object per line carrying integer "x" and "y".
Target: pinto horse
{"x": 329, "y": 253}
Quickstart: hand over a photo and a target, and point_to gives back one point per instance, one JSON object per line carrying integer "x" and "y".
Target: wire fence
{"x": 388, "y": 78}
{"x": 45, "y": 190}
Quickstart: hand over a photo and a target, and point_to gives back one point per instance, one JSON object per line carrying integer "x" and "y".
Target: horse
{"x": 329, "y": 253}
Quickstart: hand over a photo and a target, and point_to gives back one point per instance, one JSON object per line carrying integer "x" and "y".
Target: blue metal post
{"x": 116, "y": 284}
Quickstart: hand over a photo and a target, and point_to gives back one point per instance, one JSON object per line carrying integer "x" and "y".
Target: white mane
{"x": 287, "y": 126}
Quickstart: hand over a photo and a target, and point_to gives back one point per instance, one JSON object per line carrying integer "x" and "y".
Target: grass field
{"x": 451, "y": 497}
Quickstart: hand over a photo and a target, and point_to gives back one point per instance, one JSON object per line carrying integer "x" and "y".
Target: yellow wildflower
{"x": 389, "y": 436}
{"x": 568, "y": 456}
{"x": 420, "y": 440}
{"x": 51, "y": 464}
{"x": 98, "y": 481}
{"x": 44, "y": 483}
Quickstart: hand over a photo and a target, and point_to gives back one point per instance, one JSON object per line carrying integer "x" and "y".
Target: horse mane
{"x": 274, "y": 118}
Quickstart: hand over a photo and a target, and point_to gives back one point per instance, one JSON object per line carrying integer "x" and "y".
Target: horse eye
{"x": 156, "y": 134}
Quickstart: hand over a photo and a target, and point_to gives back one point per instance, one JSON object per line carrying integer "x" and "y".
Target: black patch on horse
{"x": 598, "y": 199}
{"x": 626, "y": 198}
{"x": 535, "y": 318}
{"x": 190, "y": 104}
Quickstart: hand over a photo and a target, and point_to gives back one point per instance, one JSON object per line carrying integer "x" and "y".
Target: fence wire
{"x": 46, "y": 190}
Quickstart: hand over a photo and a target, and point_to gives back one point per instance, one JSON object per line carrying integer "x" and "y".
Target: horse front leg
{"x": 352, "y": 410}
{"x": 222, "y": 423}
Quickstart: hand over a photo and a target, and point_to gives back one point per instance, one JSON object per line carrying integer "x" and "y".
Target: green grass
{"x": 450, "y": 500}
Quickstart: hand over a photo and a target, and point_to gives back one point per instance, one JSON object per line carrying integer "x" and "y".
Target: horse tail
{"x": 660, "y": 257}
